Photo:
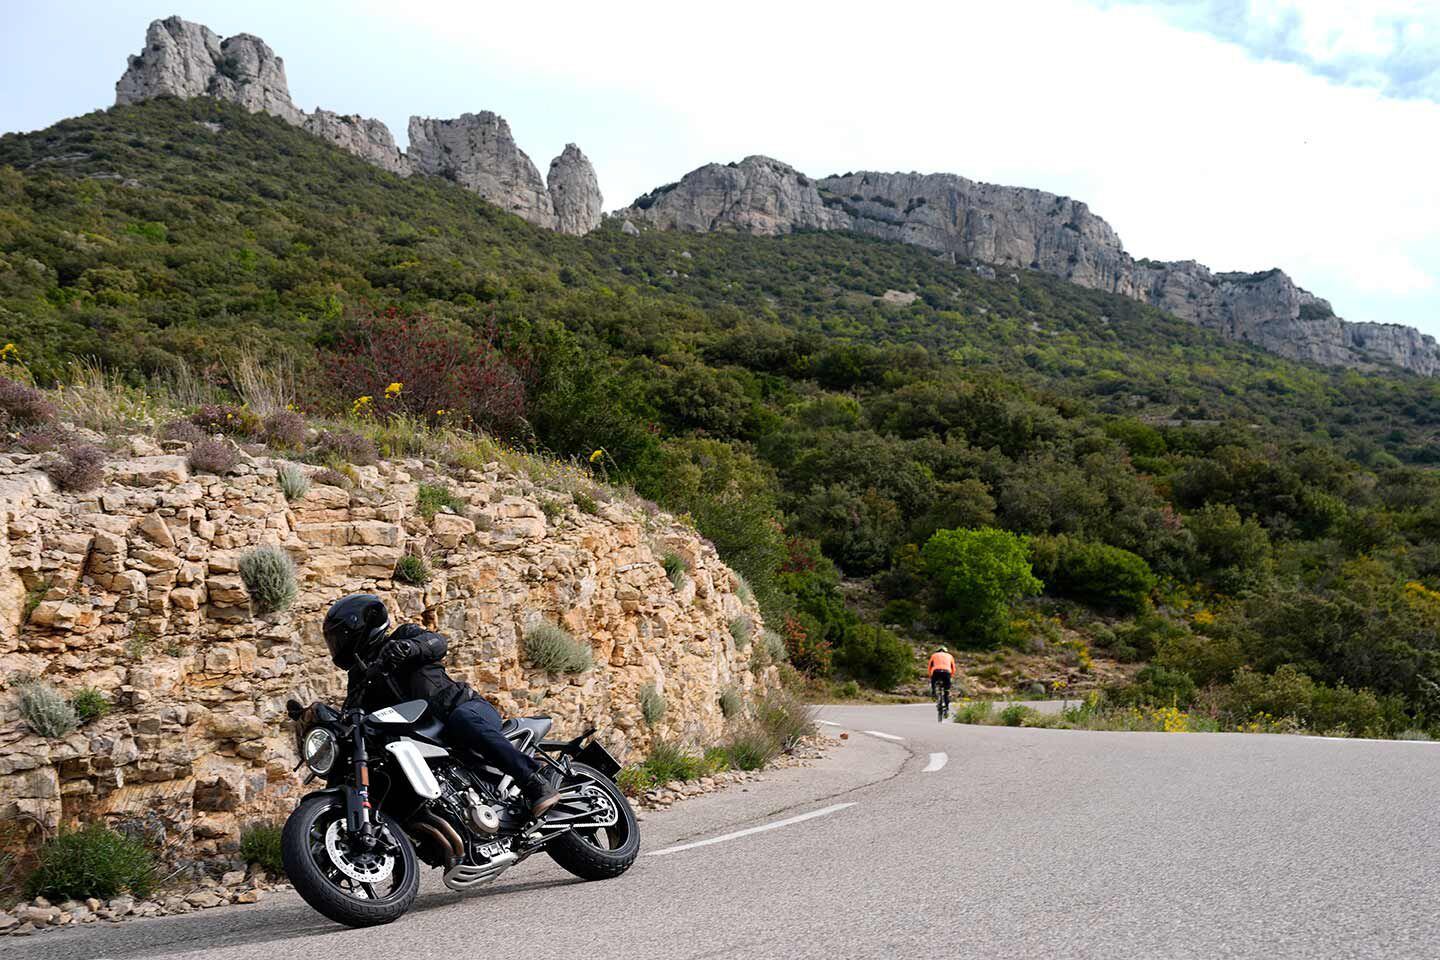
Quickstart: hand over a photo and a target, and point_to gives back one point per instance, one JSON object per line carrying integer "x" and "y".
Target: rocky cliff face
{"x": 477, "y": 151}
{"x": 184, "y": 59}
{"x": 134, "y": 589}
{"x": 1031, "y": 229}
{"x": 574, "y": 192}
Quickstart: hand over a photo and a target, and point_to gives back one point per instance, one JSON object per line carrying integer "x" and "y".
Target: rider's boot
{"x": 541, "y": 792}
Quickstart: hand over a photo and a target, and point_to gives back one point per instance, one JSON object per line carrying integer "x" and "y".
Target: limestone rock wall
{"x": 134, "y": 589}
{"x": 575, "y": 192}
{"x": 477, "y": 151}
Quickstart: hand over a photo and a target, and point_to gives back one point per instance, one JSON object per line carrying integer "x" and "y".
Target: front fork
{"x": 358, "y": 818}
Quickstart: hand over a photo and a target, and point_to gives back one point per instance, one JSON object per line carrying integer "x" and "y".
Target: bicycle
{"x": 942, "y": 702}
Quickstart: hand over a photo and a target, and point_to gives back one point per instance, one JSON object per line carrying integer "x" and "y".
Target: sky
{"x": 1246, "y": 134}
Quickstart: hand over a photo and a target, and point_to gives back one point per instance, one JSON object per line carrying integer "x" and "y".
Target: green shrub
{"x": 90, "y": 704}
{"x": 260, "y": 843}
{"x": 80, "y": 469}
{"x": 93, "y": 861}
{"x": 434, "y": 497}
{"x": 269, "y": 576}
{"x": 730, "y": 702}
{"x": 586, "y": 502}
{"x": 876, "y": 655}
{"x": 1015, "y": 715}
{"x": 670, "y": 761}
{"x": 1094, "y": 573}
{"x": 293, "y": 481}
{"x": 976, "y": 711}
{"x": 849, "y": 690}
{"x": 213, "y": 455}
{"x": 45, "y": 711}
{"x": 675, "y": 568}
{"x": 549, "y": 647}
{"x": 634, "y": 781}
{"x": 1286, "y": 693}
{"x": 773, "y": 647}
{"x": 552, "y": 508}
{"x": 652, "y": 704}
{"x": 411, "y": 568}
{"x": 1156, "y": 686}
{"x": 785, "y": 718}
{"x": 750, "y": 746}
{"x": 740, "y": 630}
{"x": 978, "y": 574}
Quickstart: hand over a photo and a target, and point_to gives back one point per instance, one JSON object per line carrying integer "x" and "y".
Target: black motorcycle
{"x": 397, "y": 795}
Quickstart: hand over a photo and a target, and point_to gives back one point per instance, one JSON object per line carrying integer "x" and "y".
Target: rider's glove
{"x": 398, "y": 653}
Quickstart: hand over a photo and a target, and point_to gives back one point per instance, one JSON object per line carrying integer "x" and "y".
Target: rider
{"x": 942, "y": 670}
{"x": 357, "y": 631}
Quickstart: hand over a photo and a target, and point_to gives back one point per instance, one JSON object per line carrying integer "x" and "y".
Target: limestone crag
{"x": 134, "y": 589}
{"x": 477, "y": 151}
{"x": 1017, "y": 227}
{"x": 574, "y": 192}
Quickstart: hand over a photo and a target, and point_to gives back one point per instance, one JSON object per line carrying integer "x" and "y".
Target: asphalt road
{"x": 956, "y": 842}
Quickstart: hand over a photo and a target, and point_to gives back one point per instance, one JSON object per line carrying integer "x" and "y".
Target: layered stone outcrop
{"x": 1031, "y": 229}
{"x": 134, "y": 589}
{"x": 477, "y": 151}
{"x": 574, "y": 192}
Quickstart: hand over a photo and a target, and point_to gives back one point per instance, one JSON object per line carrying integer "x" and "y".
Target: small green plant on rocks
{"x": 740, "y": 630}
{"x": 750, "y": 746}
{"x": 93, "y": 861}
{"x": 293, "y": 482}
{"x": 552, "y": 508}
{"x": 652, "y": 704}
{"x": 730, "y": 702}
{"x": 269, "y": 576}
{"x": 138, "y": 646}
{"x": 586, "y": 503}
{"x": 260, "y": 843}
{"x": 435, "y": 497}
{"x": 675, "y": 568}
{"x": 45, "y": 710}
{"x": 412, "y": 569}
{"x": 550, "y": 647}
{"x": 90, "y": 704}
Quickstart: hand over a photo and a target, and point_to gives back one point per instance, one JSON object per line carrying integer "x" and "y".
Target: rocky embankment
{"x": 477, "y": 151}
{"x": 1015, "y": 227}
{"x": 134, "y": 590}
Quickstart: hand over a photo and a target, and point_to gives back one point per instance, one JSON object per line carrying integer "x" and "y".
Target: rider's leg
{"x": 476, "y": 724}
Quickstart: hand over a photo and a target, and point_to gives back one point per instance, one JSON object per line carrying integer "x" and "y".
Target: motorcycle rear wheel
{"x": 305, "y": 847}
{"x": 605, "y": 852}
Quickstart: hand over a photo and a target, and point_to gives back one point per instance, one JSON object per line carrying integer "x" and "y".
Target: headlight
{"x": 321, "y": 749}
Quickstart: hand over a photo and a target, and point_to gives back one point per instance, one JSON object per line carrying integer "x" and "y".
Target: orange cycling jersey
{"x": 942, "y": 661}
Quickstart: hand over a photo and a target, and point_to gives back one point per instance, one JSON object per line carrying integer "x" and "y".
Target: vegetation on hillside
{"x": 1212, "y": 509}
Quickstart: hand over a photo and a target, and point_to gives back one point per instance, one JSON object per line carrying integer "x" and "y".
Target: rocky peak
{"x": 366, "y": 138}
{"x": 477, "y": 151}
{"x": 574, "y": 192}
{"x": 757, "y": 195}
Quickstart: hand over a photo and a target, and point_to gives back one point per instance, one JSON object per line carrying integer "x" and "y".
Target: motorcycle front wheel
{"x": 339, "y": 877}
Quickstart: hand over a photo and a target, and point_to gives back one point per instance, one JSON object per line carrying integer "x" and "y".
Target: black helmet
{"x": 352, "y": 625}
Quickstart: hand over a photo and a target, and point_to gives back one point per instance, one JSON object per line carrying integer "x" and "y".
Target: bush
{"x": 751, "y": 746}
{"x": 669, "y": 761}
{"x": 284, "y": 430}
{"x": 771, "y": 648}
{"x": 90, "y": 704}
{"x": 740, "y": 629}
{"x": 1016, "y": 715}
{"x": 549, "y": 647}
{"x": 260, "y": 843}
{"x": 978, "y": 574}
{"x": 45, "y": 710}
{"x": 586, "y": 503}
{"x": 93, "y": 861}
{"x": 1094, "y": 573}
{"x": 348, "y": 446}
{"x": 785, "y": 718}
{"x": 652, "y": 704}
{"x": 730, "y": 702}
{"x": 293, "y": 482}
{"x": 977, "y": 711}
{"x": 412, "y": 569}
{"x": 634, "y": 781}
{"x": 434, "y": 497}
{"x": 80, "y": 468}
{"x": 269, "y": 576}
{"x": 213, "y": 455}
{"x": 675, "y": 568}
{"x": 1157, "y": 686}
{"x": 228, "y": 419}
{"x": 22, "y": 405}
{"x": 183, "y": 431}
{"x": 875, "y": 655}
{"x": 42, "y": 440}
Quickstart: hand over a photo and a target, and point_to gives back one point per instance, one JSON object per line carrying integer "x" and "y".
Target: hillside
{"x": 819, "y": 404}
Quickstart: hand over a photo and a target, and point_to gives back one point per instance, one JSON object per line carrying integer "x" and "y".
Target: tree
{"x": 978, "y": 574}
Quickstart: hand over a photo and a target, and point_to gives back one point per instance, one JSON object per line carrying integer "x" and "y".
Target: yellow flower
{"x": 597, "y": 455}
{"x": 9, "y": 352}
{"x": 361, "y": 405}
{"x": 1203, "y": 618}
{"x": 393, "y": 391}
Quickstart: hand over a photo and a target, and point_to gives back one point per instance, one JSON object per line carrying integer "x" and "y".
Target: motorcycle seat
{"x": 516, "y": 728}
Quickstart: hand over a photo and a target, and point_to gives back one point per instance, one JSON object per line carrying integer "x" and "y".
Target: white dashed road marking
{"x": 883, "y": 736}
{"x": 788, "y": 821}
{"x": 832, "y": 723}
{"x": 937, "y": 761}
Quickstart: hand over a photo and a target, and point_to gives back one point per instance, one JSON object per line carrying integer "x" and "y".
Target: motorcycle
{"x": 396, "y": 795}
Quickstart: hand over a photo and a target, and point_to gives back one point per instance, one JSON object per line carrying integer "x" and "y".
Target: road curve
{"x": 1022, "y": 843}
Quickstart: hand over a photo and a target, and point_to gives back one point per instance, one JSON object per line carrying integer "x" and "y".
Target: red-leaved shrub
{"x": 445, "y": 372}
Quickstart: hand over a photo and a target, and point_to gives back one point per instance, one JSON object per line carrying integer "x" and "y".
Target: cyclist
{"x": 942, "y": 671}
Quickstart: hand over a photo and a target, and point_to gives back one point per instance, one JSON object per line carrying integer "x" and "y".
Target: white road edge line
{"x": 937, "y": 762}
{"x": 788, "y": 821}
{"x": 832, "y": 723}
{"x": 883, "y": 736}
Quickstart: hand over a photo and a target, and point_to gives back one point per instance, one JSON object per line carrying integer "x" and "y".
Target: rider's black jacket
{"x": 419, "y": 677}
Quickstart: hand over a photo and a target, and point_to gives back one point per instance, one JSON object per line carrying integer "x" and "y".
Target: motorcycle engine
{"x": 468, "y": 803}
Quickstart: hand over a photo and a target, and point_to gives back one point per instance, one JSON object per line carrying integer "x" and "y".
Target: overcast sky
{"x": 1246, "y": 134}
